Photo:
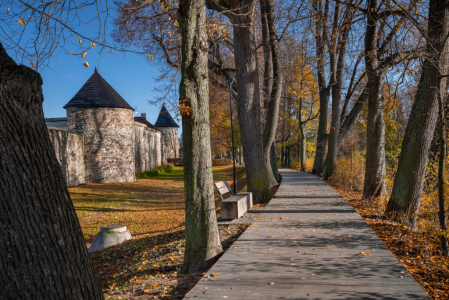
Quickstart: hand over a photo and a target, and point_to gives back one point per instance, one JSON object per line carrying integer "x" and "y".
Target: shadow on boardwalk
{"x": 308, "y": 243}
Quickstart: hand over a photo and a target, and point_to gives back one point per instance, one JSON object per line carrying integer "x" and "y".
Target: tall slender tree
{"x": 202, "y": 240}
{"x": 405, "y": 198}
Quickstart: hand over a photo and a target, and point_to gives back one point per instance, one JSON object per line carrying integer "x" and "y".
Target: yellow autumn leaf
{"x": 8, "y": 10}
{"x": 151, "y": 57}
{"x": 86, "y": 64}
{"x": 213, "y": 279}
{"x": 342, "y": 255}
{"x": 83, "y": 54}
{"x": 79, "y": 41}
{"x": 71, "y": 53}
{"x": 147, "y": 292}
{"x": 33, "y": 65}
{"x": 92, "y": 44}
{"x": 156, "y": 285}
{"x": 22, "y": 22}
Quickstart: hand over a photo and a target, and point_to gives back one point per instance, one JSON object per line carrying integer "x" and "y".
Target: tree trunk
{"x": 321, "y": 139}
{"x": 336, "y": 93}
{"x": 43, "y": 254}
{"x": 275, "y": 89}
{"x": 374, "y": 185}
{"x": 408, "y": 183}
{"x": 274, "y": 162}
{"x": 441, "y": 179}
{"x": 203, "y": 245}
{"x": 258, "y": 172}
{"x": 302, "y": 148}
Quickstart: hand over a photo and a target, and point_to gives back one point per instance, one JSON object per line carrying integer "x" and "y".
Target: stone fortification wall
{"x": 148, "y": 148}
{"x": 69, "y": 150}
{"x": 171, "y": 145}
{"x": 109, "y": 142}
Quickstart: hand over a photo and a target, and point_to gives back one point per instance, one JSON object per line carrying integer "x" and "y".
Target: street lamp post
{"x": 228, "y": 75}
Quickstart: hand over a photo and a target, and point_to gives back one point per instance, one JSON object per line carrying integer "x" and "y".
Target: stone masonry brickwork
{"x": 171, "y": 141}
{"x": 69, "y": 150}
{"x": 108, "y": 142}
{"x": 148, "y": 147}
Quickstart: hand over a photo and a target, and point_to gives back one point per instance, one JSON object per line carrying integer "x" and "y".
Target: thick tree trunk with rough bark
{"x": 408, "y": 183}
{"x": 374, "y": 185}
{"x": 321, "y": 139}
{"x": 43, "y": 254}
{"x": 268, "y": 81}
{"x": 203, "y": 245}
{"x": 336, "y": 93}
{"x": 274, "y": 162}
{"x": 274, "y": 88}
{"x": 257, "y": 171}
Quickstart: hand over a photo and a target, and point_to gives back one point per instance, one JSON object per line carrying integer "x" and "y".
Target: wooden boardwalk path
{"x": 308, "y": 243}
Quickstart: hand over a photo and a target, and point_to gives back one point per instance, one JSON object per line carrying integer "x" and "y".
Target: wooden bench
{"x": 235, "y": 206}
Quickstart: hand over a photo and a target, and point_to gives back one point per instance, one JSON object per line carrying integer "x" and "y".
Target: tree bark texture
{"x": 43, "y": 254}
{"x": 336, "y": 91}
{"x": 268, "y": 81}
{"x": 203, "y": 245}
{"x": 442, "y": 179}
{"x": 269, "y": 133}
{"x": 258, "y": 171}
{"x": 302, "y": 147}
{"x": 274, "y": 162}
{"x": 320, "y": 40}
{"x": 408, "y": 183}
{"x": 374, "y": 185}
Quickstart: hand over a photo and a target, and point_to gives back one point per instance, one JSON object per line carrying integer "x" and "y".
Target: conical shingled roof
{"x": 165, "y": 119}
{"x": 97, "y": 92}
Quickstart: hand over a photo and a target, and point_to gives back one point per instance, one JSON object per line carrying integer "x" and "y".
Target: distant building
{"x": 168, "y": 126}
{"x": 101, "y": 141}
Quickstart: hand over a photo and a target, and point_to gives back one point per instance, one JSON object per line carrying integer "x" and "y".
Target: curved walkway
{"x": 308, "y": 243}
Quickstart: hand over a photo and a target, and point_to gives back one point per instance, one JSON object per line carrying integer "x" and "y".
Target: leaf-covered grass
{"x": 148, "y": 266}
{"x": 148, "y": 206}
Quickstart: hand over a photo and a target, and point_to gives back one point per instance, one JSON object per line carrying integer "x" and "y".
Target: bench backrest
{"x": 222, "y": 188}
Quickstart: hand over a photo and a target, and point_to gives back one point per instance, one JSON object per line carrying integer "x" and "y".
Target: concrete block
{"x": 249, "y": 199}
{"x": 108, "y": 236}
{"x": 234, "y": 207}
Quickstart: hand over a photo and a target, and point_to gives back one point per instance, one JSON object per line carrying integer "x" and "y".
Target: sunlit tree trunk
{"x": 408, "y": 183}
{"x": 302, "y": 147}
{"x": 442, "y": 178}
{"x": 203, "y": 245}
{"x": 43, "y": 254}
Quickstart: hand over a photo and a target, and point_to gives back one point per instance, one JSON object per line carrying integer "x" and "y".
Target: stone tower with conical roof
{"x": 107, "y": 122}
{"x": 168, "y": 126}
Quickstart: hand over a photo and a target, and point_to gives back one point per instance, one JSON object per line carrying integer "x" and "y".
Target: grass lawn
{"x": 149, "y": 266}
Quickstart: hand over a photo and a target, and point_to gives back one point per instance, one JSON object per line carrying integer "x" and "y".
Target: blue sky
{"x": 129, "y": 74}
